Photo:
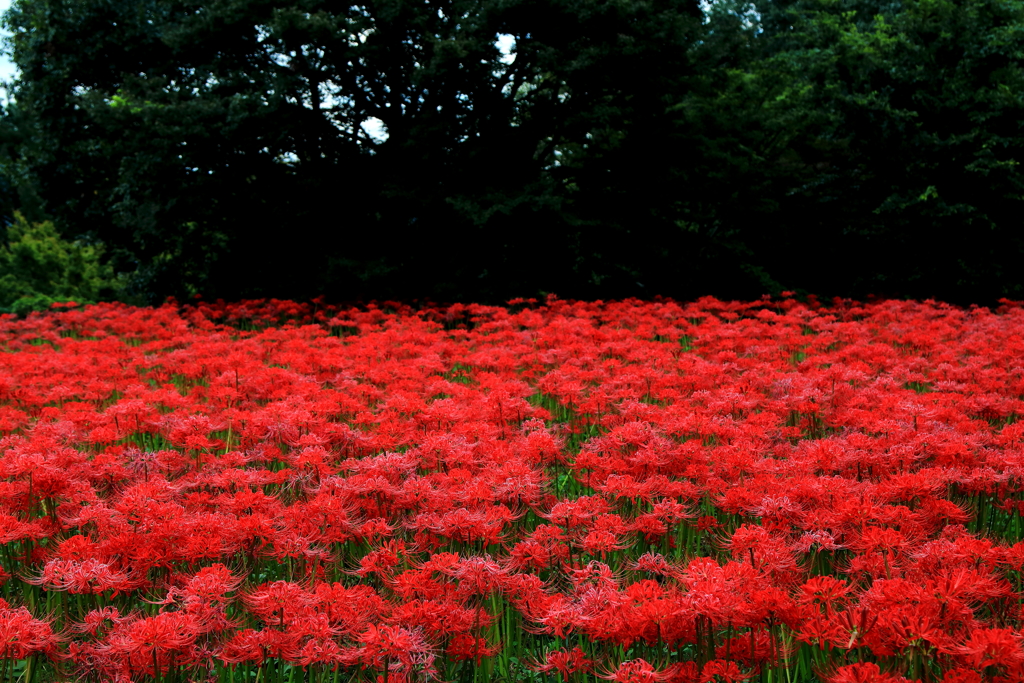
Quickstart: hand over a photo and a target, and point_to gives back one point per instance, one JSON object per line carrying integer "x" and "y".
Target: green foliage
{"x": 38, "y": 268}
{"x": 902, "y": 147}
{"x": 625, "y": 148}
{"x": 223, "y": 147}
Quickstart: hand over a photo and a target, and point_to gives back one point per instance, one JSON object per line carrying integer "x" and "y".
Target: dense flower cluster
{"x": 548, "y": 491}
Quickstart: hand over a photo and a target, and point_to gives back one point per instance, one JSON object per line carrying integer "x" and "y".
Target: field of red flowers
{"x": 550, "y": 491}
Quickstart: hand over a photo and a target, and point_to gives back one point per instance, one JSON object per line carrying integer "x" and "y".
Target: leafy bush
{"x": 38, "y": 268}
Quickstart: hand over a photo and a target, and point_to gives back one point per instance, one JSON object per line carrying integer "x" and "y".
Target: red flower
{"x": 997, "y": 647}
{"x": 278, "y": 603}
{"x": 464, "y": 646}
{"x": 565, "y": 662}
{"x": 245, "y": 646}
{"x": 637, "y": 671}
{"x": 22, "y": 635}
{"x": 824, "y": 591}
{"x": 147, "y": 642}
{"x": 865, "y": 672}
{"x": 395, "y": 647}
{"x": 720, "y": 671}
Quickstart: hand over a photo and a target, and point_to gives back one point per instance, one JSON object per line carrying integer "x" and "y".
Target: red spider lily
{"x": 825, "y": 592}
{"x": 22, "y": 635}
{"x": 204, "y": 596}
{"x": 245, "y": 646}
{"x": 575, "y": 513}
{"x": 718, "y": 671}
{"x": 441, "y": 618}
{"x": 463, "y": 525}
{"x": 959, "y": 675}
{"x": 151, "y": 642}
{"x": 477, "y": 575}
{"x": 638, "y": 671}
{"x": 654, "y": 563}
{"x": 350, "y": 608}
{"x": 855, "y": 625}
{"x": 393, "y": 647}
{"x": 419, "y": 584}
{"x": 465, "y": 647}
{"x": 600, "y": 542}
{"x": 596, "y": 574}
{"x": 565, "y": 662}
{"x": 529, "y": 554}
{"x": 859, "y": 464}
{"x": 651, "y": 527}
{"x": 88, "y": 576}
{"x": 13, "y": 529}
{"x": 707, "y": 522}
{"x": 779, "y": 510}
{"x": 818, "y": 540}
{"x": 325, "y": 652}
{"x": 383, "y": 560}
{"x": 316, "y": 627}
{"x": 278, "y": 603}
{"x": 916, "y": 630}
{"x": 865, "y": 672}
{"x": 993, "y": 647}
{"x": 97, "y": 620}
{"x": 819, "y": 631}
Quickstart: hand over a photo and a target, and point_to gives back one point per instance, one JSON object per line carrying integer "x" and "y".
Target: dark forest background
{"x": 156, "y": 148}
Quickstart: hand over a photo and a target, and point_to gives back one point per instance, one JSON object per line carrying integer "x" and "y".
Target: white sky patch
{"x": 376, "y": 129}
{"x": 505, "y": 43}
{"x": 751, "y": 17}
{"x": 7, "y": 70}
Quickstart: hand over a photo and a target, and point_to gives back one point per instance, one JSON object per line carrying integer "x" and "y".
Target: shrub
{"x": 38, "y": 268}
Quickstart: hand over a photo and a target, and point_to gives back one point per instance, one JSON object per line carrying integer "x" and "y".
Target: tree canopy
{"x": 390, "y": 149}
